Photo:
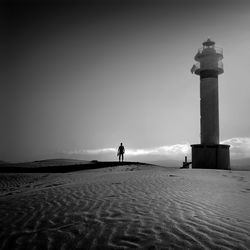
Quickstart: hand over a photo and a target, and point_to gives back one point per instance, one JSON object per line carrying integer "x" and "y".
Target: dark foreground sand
{"x": 125, "y": 207}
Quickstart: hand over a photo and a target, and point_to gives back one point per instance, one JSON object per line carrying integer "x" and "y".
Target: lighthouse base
{"x": 215, "y": 156}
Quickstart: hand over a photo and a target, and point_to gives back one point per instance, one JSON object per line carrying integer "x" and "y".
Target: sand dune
{"x": 59, "y": 166}
{"x": 126, "y": 207}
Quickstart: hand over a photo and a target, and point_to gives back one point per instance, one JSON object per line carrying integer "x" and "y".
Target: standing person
{"x": 121, "y": 151}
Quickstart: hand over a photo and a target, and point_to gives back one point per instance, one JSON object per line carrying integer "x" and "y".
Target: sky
{"x": 79, "y": 77}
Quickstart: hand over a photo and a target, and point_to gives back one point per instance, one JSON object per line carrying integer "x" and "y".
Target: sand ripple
{"x": 123, "y": 209}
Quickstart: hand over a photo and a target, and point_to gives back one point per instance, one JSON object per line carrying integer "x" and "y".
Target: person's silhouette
{"x": 121, "y": 151}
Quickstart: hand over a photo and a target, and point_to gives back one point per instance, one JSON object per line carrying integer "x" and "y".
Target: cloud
{"x": 163, "y": 150}
{"x": 240, "y": 147}
{"x": 92, "y": 151}
{"x": 172, "y": 150}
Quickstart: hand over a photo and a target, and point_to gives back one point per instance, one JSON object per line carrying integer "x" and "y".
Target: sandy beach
{"x": 124, "y": 207}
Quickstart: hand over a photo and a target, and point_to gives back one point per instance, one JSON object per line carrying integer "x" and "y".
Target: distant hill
{"x": 3, "y": 162}
{"x": 48, "y": 163}
{"x": 60, "y": 166}
{"x": 56, "y": 162}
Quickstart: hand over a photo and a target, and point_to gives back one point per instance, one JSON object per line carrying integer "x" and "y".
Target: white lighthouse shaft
{"x": 209, "y": 109}
{"x": 209, "y": 66}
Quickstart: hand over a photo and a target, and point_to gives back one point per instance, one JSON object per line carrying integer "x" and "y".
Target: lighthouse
{"x": 209, "y": 153}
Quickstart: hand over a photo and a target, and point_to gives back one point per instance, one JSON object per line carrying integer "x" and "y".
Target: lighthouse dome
{"x": 208, "y": 43}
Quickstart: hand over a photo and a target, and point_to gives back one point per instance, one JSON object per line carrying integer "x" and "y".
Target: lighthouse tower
{"x": 209, "y": 154}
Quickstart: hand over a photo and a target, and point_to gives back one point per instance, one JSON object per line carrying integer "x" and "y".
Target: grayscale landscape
{"x": 124, "y": 124}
